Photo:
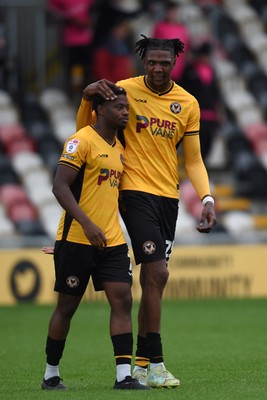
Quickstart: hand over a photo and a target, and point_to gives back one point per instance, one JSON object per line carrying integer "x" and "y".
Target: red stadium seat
{"x": 11, "y": 194}
{"x": 23, "y": 144}
{"x": 11, "y": 133}
{"x": 23, "y": 212}
{"x": 257, "y": 135}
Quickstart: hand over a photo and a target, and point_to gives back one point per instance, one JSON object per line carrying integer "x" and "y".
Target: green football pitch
{"x": 217, "y": 348}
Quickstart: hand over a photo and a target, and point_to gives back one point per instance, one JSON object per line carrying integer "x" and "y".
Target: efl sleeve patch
{"x": 72, "y": 145}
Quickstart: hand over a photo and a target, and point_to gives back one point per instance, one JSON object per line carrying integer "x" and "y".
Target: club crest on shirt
{"x": 175, "y": 107}
{"x": 149, "y": 247}
{"x": 72, "y": 145}
{"x": 72, "y": 282}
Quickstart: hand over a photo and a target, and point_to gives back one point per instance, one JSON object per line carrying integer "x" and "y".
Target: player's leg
{"x": 153, "y": 280}
{"x": 150, "y": 222}
{"x": 57, "y": 332}
{"x": 158, "y": 376}
{"x": 139, "y": 212}
{"x": 115, "y": 273}
{"x": 72, "y": 276}
{"x": 120, "y": 300}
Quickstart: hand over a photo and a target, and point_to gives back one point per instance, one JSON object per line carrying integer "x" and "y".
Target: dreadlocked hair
{"x": 176, "y": 46}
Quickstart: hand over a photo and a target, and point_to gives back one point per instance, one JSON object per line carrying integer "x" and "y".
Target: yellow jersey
{"x": 158, "y": 123}
{"x": 99, "y": 166}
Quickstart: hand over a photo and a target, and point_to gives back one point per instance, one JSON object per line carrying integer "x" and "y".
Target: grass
{"x": 217, "y": 348}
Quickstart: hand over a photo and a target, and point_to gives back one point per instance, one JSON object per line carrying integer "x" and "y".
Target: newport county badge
{"x": 149, "y": 247}
{"x": 175, "y": 107}
{"x": 72, "y": 282}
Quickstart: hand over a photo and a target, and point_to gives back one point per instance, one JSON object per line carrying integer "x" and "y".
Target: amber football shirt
{"x": 158, "y": 123}
{"x": 95, "y": 188}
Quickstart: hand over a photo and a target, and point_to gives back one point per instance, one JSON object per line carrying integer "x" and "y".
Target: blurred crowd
{"x": 98, "y": 39}
{"x": 98, "y": 35}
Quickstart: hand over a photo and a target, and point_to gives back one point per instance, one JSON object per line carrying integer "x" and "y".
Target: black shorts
{"x": 75, "y": 263}
{"x": 151, "y": 222}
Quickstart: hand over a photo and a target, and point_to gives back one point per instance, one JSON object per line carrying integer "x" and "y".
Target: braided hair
{"x": 175, "y": 46}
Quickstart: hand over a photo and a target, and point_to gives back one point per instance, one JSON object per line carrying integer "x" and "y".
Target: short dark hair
{"x": 99, "y": 100}
{"x": 175, "y": 46}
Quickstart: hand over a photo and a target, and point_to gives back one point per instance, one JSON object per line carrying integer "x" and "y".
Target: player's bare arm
{"x": 64, "y": 178}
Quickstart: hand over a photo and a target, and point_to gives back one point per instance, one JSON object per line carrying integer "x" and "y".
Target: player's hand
{"x": 208, "y": 219}
{"x": 100, "y": 87}
{"x": 48, "y": 250}
{"x": 95, "y": 235}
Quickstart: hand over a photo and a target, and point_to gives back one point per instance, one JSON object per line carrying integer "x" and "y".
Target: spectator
{"x": 113, "y": 60}
{"x": 199, "y": 79}
{"x": 170, "y": 27}
{"x": 77, "y": 36}
{"x": 111, "y": 12}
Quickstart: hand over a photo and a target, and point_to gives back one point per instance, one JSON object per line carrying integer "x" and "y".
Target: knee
{"x": 67, "y": 311}
{"x": 121, "y": 309}
{"x": 121, "y": 301}
{"x": 126, "y": 301}
{"x": 156, "y": 277}
{"x": 162, "y": 277}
